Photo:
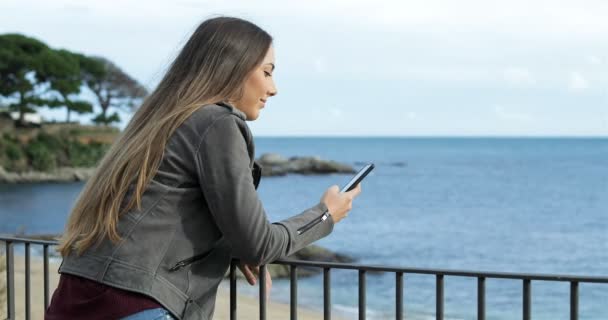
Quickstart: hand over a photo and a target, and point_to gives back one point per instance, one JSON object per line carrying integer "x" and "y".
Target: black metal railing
{"x": 10, "y": 272}
{"x": 439, "y": 274}
{"x": 399, "y": 272}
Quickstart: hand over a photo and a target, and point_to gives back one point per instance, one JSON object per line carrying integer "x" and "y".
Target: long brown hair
{"x": 211, "y": 67}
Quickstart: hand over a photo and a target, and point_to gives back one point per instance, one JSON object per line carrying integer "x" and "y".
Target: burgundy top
{"x": 80, "y": 298}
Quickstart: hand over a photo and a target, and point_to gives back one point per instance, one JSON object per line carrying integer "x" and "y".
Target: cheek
{"x": 258, "y": 85}
{"x": 254, "y": 89}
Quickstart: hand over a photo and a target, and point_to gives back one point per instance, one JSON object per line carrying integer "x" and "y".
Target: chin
{"x": 252, "y": 117}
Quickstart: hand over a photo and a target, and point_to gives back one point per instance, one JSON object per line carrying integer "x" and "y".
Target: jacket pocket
{"x": 182, "y": 263}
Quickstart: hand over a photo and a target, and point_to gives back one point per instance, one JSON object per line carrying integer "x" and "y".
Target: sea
{"x": 522, "y": 205}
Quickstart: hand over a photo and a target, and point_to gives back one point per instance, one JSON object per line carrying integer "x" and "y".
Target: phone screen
{"x": 358, "y": 177}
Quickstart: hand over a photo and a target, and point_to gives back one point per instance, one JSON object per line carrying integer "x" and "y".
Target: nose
{"x": 272, "y": 90}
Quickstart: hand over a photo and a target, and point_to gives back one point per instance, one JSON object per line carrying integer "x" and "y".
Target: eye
{"x": 267, "y": 74}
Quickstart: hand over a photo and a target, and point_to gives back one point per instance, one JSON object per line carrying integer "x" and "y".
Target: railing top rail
{"x": 411, "y": 270}
{"x": 447, "y": 272}
{"x": 27, "y": 240}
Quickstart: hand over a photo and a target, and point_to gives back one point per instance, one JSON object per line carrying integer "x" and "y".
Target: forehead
{"x": 269, "y": 57}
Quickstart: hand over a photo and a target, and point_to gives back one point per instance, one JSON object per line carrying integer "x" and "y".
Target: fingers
{"x": 249, "y": 275}
{"x": 268, "y": 285}
{"x": 355, "y": 191}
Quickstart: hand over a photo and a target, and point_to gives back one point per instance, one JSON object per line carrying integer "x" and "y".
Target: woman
{"x": 174, "y": 200}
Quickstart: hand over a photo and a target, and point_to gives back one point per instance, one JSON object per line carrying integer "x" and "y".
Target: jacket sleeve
{"x": 222, "y": 164}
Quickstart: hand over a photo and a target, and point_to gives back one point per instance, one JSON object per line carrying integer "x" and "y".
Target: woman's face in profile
{"x": 259, "y": 86}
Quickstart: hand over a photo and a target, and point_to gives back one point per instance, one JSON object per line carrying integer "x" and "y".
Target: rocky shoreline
{"x": 272, "y": 165}
{"x": 64, "y": 174}
{"x": 276, "y": 165}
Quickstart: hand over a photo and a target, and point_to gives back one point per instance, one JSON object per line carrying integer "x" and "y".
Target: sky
{"x": 372, "y": 68}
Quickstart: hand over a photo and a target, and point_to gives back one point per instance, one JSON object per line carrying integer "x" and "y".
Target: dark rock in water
{"x": 310, "y": 253}
{"x": 273, "y": 159}
{"x": 317, "y": 253}
{"x": 270, "y": 171}
{"x": 276, "y": 165}
{"x": 399, "y": 164}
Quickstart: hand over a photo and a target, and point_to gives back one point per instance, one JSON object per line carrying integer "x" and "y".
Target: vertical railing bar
{"x": 439, "y": 297}
{"x": 262, "y": 278}
{"x": 28, "y": 313}
{"x": 399, "y": 296}
{"x": 573, "y": 300}
{"x": 362, "y": 294}
{"x": 293, "y": 286}
{"x": 10, "y": 281}
{"x": 527, "y": 303}
{"x": 481, "y": 298}
{"x": 326, "y": 294}
{"x": 46, "y": 276}
{"x": 232, "y": 290}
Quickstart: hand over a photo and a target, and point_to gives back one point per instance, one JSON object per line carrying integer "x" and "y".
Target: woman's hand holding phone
{"x": 340, "y": 203}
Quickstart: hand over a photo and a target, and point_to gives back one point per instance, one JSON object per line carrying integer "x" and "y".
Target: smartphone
{"x": 358, "y": 177}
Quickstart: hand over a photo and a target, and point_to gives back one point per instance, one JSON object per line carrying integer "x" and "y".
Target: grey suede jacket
{"x": 200, "y": 210}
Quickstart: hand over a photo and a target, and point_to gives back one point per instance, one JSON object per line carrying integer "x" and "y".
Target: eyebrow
{"x": 272, "y": 64}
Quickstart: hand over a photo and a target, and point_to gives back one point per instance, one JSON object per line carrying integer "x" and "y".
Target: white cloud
{"x": 578, "y": 82}
{"x": 519, "y": 76}
{"x": 510, "y": 115}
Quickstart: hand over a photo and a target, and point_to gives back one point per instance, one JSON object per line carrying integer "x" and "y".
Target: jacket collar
{"x": 233, "y": 109}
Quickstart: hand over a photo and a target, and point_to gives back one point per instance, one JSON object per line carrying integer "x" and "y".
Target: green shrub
{"x": 41, "y": 158}
{"x": 53, "y": 143}
{"x": 12, "y": 157}
{"x": 13, "y": 151}
{"x": 86, "y": 155}
{"x": 48, "y": 151}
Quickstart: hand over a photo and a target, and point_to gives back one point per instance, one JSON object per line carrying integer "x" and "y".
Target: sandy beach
{"x": 247, "y": 305}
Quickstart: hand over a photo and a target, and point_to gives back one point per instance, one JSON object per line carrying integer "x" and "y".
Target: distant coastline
{"x": 272, "y": 165}
{"x": 70, "y": 152}
{"x": 60, "y": 175}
